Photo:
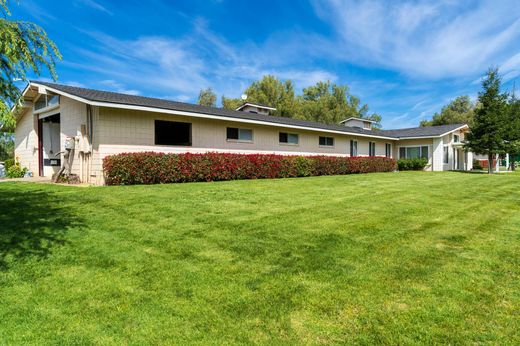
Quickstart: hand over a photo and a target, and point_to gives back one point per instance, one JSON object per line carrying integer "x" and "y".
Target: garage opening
{"x": 49, "y": 145}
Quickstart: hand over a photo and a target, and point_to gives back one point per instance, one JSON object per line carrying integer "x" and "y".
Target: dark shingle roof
{"x": 133, "y": 100}
{"x": 117, "y": 98}
{"x": 426, "y": 131}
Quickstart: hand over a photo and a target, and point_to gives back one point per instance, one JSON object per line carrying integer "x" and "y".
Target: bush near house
{"x": 417, "y": 164}
{"x": 14, "y": 170}
{"x": 158, "y": 168}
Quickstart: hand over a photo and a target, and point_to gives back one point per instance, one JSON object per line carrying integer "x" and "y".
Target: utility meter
{"x": 70, "y": 143}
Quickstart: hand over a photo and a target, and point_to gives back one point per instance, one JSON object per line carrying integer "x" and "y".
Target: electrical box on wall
{"x": 70, "y": 143}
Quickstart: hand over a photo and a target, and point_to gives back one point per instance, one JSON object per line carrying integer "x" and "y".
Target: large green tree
{"x": 458, "y": 111}
{"x": 24, "y": 48}
{"x": 323, "y": 102}
{"x": 487, "y": 134}
{"x": 269, "y": 91}
{"x": 207, "y": 98}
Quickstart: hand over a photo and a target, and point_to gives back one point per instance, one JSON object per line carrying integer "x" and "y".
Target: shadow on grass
{"x": 31, "y": 224}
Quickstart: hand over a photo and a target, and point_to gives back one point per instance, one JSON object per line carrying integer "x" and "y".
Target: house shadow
{"x": 32, "y": 223}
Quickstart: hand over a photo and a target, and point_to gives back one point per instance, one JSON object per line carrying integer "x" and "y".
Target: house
{"x": 93, "y": 124}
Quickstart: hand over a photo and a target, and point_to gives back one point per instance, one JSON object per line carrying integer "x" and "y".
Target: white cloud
{"x": 432, "y": 39}
{"x": 183, "y": 66}
{"x": 96, "y": 5}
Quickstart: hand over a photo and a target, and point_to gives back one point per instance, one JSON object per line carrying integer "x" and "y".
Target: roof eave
{"x": 202, "y": 115}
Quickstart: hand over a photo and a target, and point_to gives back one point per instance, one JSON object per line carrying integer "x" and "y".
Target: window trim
{"x": 446, "y": 154}
{"x": 232, "y": 140}
{"x": 371, "y": 149}
{"x": 190, "y": 143}
{"x": 458, "y": 138}
{"x": 352, "y": 153}
{"x": 288, "y": 134}
{"x": 325, "y": 145}
{"x": 415, "y": 146}
{"x": 388, "y": 150}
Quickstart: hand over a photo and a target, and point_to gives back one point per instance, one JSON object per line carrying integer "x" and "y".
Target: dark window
{"x": 424, "y": 152}
{"x": 236, "y": 134}
{"x": 327, "y": 141}
{"x": 289, "y": 138}
{"x": 402, "y": 152}
{"x": 371, "y": 149}
{"x": 172, "y": 133}
{"x": 353, "y": 148}
{"x": 446, "y": 155}
{"x": 388, "y": 150}
{"x": 414, "y": 152}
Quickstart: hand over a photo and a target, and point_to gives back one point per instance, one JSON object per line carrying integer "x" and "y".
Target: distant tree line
{"x": 324, "y": 102}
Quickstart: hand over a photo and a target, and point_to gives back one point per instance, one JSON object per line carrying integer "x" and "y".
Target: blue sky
{"x": 404, "y": 58}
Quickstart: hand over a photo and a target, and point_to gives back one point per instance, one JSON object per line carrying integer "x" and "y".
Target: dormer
{"x": 255, "y": 108}
{"x": 360, "y": 123}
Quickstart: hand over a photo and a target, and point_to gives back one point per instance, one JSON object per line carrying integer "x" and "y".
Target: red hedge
{"x": 159, "y": 168}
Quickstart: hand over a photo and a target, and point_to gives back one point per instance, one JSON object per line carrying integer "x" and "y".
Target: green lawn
{"x": 392, "y": 258}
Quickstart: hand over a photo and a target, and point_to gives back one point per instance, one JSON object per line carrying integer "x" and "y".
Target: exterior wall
{"x": 118, "y": 130}
{"x": 416, "y": 143}
{"x": 448, "y": 141}
{"x": 358, "y": 123}
{"x": 26, "y": 141}
{"x": 72, "y": 115}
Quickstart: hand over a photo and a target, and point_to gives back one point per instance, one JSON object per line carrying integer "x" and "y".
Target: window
{"x": 456, "y": 138}
{"x": 388, "y": 150}
{"x": 414, "y": 152}
{"x": 236, "y": 134}
{"x": 46, "y": 101}
{"x": 326, "y": 141}
{"x": 371, "y": 149}
{"x": 353, "y": 148}
{"x": 288, "y": 138}
{"x": 172, "y": 133}
{"x": 446, "y": 159}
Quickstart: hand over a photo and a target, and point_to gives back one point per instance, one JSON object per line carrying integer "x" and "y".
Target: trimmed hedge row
{"x": 159, "y": 168}
{"x": 417, "y": 164}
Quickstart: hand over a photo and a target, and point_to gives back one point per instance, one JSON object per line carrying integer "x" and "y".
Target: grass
{"x": 387, "y": 258}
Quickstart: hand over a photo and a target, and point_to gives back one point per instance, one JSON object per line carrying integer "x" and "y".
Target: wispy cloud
{"x": 431, "y": 39}
{"x": 95, "y": 5}
{"x": 184, "y": 65}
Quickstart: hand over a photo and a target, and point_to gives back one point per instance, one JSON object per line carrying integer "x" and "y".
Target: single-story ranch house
{"x": 93, "y": 124}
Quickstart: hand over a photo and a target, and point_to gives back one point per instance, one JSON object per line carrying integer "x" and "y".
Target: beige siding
{"x": 72, "y": 116}
{"x": 416, "y": 143}
{"x": 121, "y": 131}
{"x": 26, "y": 142}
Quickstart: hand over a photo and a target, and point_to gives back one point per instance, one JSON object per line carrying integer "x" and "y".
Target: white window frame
{"x": 371, "y": 148}
{"x": 415, "y": 146}
{"x": 353, "y": 148}
{"x": 239, "y": 131}
{"x": 446, "y": 154}
{"x": 324, "y": 145}
{"x": 388, "y": 149}
{"x": 288, "y": 135}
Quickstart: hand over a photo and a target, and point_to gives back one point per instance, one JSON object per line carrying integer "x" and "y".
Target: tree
{"x": 24, "y": 48}
{"x": 269, "y": 91}
{"x": 458, "y": 111}
{"x": 487, "y": 134}
{"x": 512, "y": 129}
{"x": 207, "y": 98}
{"x": 323, "y": 102}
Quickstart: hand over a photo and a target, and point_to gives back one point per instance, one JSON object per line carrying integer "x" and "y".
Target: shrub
{"x": 417, "y": 164}
{"x": 15, "y": 171}
{"x": 476, "y": 164}
{"x": 8, "y": 163}
{"x": 158, "y": 168}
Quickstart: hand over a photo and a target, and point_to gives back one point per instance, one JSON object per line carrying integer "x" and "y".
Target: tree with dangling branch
{"x": 24, "y": 48}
